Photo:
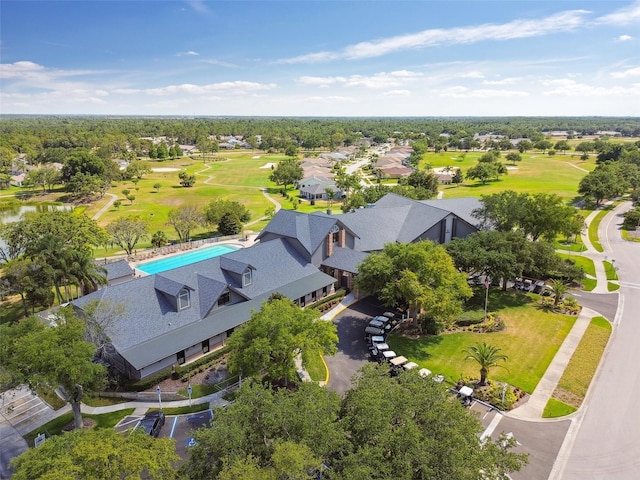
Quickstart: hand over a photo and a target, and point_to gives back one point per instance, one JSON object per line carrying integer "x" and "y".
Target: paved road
{"x": 352, "y": 349}
{"x": 604, "y": 441}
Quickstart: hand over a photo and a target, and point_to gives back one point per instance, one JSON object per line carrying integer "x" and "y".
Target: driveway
{"x": 352, "y": 348}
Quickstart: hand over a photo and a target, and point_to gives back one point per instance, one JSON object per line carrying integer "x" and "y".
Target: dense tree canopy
{"x": 99, "y": 454}
{"x": 51, "y": 356}
{"x": 268, "y": 343}
{"x": 541, "y": 215}
{"x": 403, "y": 427}
{"x": 420, "y": 275}
{"x": 287, "y": 172}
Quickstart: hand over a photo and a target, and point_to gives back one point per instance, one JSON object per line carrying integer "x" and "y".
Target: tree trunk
{"x": 483, "y": 376}
{"x": 77, "y": 414}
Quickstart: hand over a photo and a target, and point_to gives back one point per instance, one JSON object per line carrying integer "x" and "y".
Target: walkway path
{"x": 107, "y": 206}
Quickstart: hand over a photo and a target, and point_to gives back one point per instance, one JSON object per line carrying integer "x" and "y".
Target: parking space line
{"x": 492, "y": 426}
{"x": 173, "y": 427}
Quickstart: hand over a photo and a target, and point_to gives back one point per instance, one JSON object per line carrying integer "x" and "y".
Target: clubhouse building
{"x": 179, "y": 315}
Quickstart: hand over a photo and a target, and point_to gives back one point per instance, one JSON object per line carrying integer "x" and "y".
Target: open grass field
{"x": 577, "y": 377}
{"x": 536, "y": 173}
{"x": 531, "y": 339}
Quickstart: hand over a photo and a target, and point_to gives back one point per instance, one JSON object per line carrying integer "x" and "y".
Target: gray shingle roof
{"x": 117, "y": 269}
{"x": 309, "y": 230}
{"x": 150, "y": 315}
{"x": 153, "y": 349}
{"x": 462, "y": 207}
{"x": 345, "y": 259}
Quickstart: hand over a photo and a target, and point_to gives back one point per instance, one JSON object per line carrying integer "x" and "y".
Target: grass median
{"x": 575, "y": 380}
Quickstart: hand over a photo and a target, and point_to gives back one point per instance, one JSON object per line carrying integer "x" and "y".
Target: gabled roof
{"x": 168, "y": 286}
{"x": 462, "y": 207}
{"x": 309, "y": 230}
{"x": 118, "y": 269}
{"x": 393, "y": 218}
{"x": 234, "y": 265}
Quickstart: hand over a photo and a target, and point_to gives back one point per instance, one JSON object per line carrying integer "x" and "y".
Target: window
{"x": 246, "y": 278}
{"x": 224, "y": 298}
{"x": 183, "y": 299}
{"x": 180, "y": 356}
{"x": 205, "y": 346}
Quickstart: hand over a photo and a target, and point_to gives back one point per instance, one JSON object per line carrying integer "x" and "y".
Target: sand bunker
{"x": 269, "y": 165}
{"x": 256, "y": 156}
{"x": 165, "y": 169}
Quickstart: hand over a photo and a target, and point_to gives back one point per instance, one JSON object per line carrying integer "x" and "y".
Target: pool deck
{"x": 152, "y": 254}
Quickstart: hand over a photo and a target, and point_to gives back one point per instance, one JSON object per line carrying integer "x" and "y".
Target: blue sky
{"x": 304, "y": 58}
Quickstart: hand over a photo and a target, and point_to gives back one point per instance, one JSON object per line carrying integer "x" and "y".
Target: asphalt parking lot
{"x": 178, "y": 427}
{"x": 352, "y": 348}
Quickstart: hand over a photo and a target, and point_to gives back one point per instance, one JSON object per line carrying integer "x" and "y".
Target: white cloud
{"x": 396, "y": 78}
{"x": 310, "y": 58}
{"x": 220, "y": 63}
{"x": 560, "y": 22}
{"x": 471, "y": 75}
{"x": 233, "y": 88}
{"x": 571, "y": 88}
{"x": 330, "y": 99}
{"x": 631, "y": 72}
{"x": 503, "y": 81}
{"x": 625, "y": 16}
{"x": 397, "y": 93}
{"x": 189, "y": 53}
{"x": 464, "y": 92}
{"x": 624, "y": 38}
{"x": 198, "y": 5}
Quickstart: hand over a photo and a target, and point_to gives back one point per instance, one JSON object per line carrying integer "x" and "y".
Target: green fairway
{"x": 531, "y": 340}
{"x": 536, "y": 173}
{"x": 238, "y": 178}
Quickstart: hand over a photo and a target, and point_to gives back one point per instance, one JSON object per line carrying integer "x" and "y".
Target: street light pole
{"x": 486, "y": 296}
{"x": 159, "y": 396}
{"x": 189, "y": 392}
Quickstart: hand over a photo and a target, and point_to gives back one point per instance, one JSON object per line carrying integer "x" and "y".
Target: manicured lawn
{"x": 571, "y": 246}
{"x": 576, "y": 378}
{"x": 556, "y": 408}
{"x": 531, "y": 340}
{"x": 315, "y": 366}
{"x": 531, "y": 175}
{"x": 584, "y": 262}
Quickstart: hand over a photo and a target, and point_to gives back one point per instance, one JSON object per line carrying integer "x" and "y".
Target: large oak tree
{"x": 52, "y": 357}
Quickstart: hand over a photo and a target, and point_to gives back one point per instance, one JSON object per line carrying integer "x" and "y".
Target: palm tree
{"x": 487, "y": 357}
{"x": 558, "y": 287}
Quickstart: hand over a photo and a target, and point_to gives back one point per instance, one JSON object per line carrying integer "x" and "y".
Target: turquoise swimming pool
{"x": 183, "y": 259}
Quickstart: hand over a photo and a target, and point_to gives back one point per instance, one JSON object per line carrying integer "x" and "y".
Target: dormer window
{"x": 183, "y": 299}
{"x": 246, "y": 278}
